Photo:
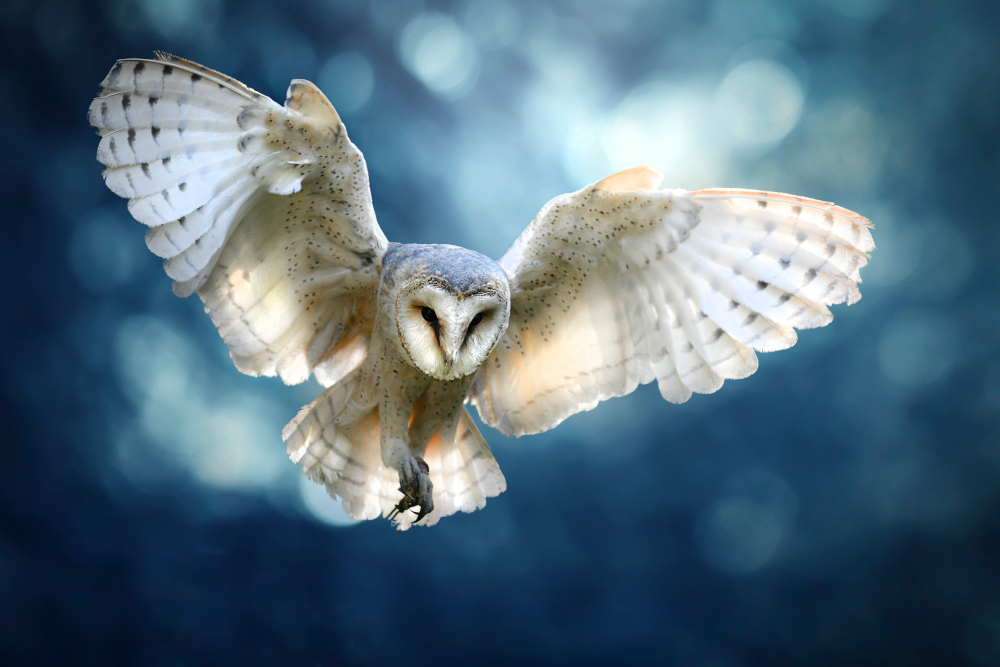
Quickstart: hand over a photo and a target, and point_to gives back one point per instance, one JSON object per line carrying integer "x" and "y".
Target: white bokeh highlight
{"x": 670, "y": 126}
{"x": 321, "y": 507}
{"x": 693, "y": 130}
{"x": 221, "y": 438}
{"x": 439, "y": 52}
{"x": 759, "y": 102}
{"x": 348, "y": 80}
{"x": 900, "y": 253}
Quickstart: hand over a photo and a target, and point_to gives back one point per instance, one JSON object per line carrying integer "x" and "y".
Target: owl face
{"x": 447, "y": 333}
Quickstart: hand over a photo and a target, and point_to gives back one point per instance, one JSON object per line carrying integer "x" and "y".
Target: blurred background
{"x": 841, "y": 506}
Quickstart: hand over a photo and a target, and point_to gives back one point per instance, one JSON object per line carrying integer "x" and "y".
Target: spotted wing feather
{"x": 263, "y": 210}
{"x": 621, "y": 284}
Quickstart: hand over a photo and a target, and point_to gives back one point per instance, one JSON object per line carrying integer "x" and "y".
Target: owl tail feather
{"x": 339, "y": 447}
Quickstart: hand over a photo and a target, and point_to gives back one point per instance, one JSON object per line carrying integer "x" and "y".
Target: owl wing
{"x": 620, "y": 284}
{"x": 264, "y": 211}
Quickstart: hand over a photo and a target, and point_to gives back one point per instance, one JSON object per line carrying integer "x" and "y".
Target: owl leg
{"x": 416, "y": 486}
{"x": 398, "y": 453}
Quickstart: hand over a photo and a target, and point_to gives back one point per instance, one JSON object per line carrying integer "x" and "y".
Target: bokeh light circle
{"x": 759, "y": 102}
{"x": 348, "y": 80}
{"x": 321, "y": 506}
{"x": 440, "y": 54}
{"x": 744, "y": 528}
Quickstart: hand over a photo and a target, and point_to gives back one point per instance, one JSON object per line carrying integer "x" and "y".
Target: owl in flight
{"x": 265, "y": 212}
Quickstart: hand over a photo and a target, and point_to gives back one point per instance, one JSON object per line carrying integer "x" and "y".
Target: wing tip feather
{"x": 636, "y": 179}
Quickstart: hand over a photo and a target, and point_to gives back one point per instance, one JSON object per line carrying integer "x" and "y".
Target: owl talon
{"x": 425, "y": 509}
{"x": 416, "y": 486}
{"x": 426, "y": 497}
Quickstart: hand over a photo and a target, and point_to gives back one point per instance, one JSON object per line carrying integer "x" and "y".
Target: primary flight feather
{"x": 265, "y": 212}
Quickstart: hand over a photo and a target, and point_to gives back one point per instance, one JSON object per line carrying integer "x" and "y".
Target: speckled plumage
{"x": 265, "y": 212}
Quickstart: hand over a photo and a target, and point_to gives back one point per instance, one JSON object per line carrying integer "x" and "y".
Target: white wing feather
{"x": 263, "y": 210}
{"x": 621, "y": 284}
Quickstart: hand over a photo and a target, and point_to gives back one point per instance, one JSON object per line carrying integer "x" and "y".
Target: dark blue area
{"x": 841, "y": 506}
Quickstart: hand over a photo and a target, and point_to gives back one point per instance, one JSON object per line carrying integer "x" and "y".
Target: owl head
{"x": 451, "y": 307}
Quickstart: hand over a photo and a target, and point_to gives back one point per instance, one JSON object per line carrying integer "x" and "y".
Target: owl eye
{"x": 476, "y": 320}
{"x": 429, "y": 314}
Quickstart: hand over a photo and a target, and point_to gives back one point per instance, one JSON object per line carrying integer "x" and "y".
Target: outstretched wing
{"x": 264, "y": 211}
{"x": 620, "y": 284}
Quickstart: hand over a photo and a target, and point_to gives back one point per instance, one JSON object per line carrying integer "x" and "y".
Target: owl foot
{"x": 416, "y": 487}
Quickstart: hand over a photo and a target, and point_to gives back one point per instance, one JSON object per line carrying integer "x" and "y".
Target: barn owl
{"x": 265, "y": 212}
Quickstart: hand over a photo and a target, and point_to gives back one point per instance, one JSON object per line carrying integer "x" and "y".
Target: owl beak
{"x": 451, "y": 349}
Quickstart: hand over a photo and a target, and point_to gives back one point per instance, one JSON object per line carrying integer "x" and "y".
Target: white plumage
{"x": 265, "y": 212}
{"x": 615, "y": 286}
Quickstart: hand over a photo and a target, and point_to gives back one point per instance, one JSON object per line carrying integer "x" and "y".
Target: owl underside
{"x": 339, "y": 446}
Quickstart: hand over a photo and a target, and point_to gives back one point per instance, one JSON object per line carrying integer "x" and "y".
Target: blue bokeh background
{"x": 841, "y": 506}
